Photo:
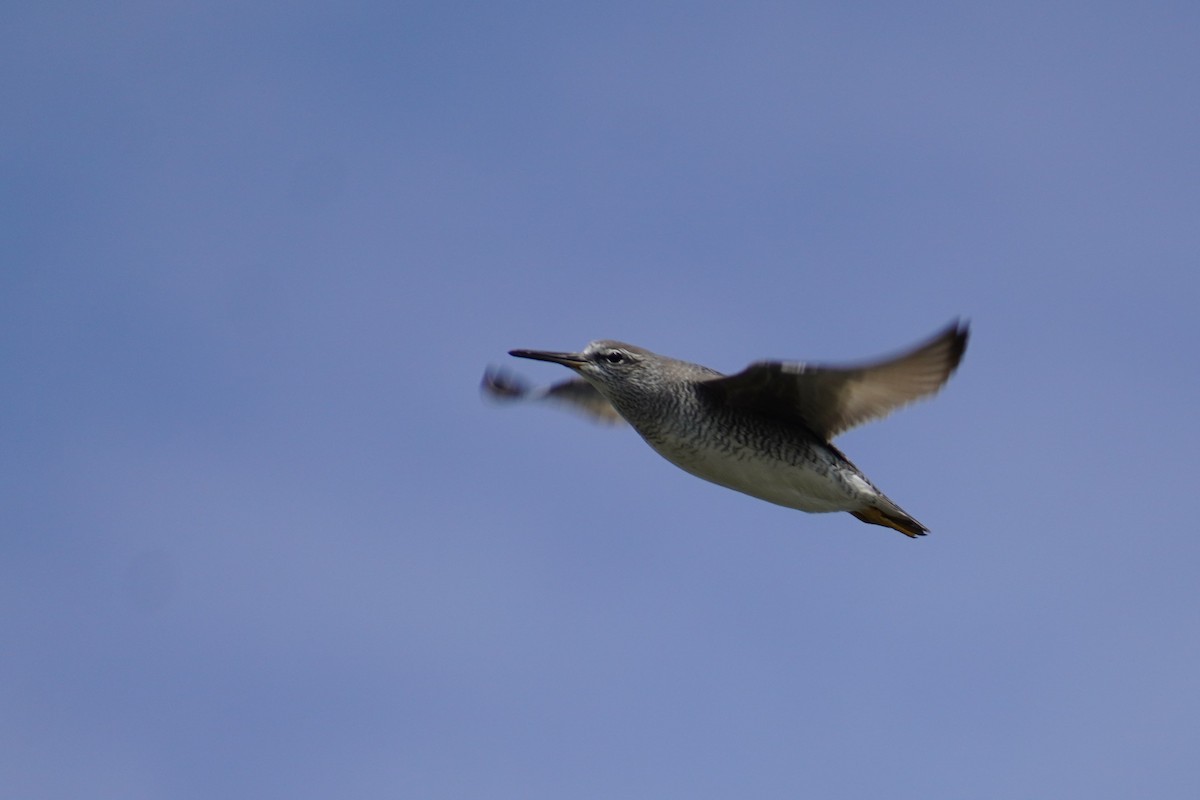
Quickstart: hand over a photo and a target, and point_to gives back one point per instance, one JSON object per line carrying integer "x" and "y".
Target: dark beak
{"x": 572, "y": 360}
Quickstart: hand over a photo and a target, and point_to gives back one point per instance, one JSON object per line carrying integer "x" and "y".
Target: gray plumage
{"x": 765, "y": 431}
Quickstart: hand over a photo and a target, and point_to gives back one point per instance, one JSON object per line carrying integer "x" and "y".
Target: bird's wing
{"x": 831, "y": 399}
{"x": 576, "y": 393}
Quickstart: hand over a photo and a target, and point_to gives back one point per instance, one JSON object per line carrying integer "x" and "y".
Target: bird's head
{"x": 617, "y": 369}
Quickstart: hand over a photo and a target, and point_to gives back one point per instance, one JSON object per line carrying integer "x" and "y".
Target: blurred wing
{"x": 575, "y": 393}
{"x": 830, "y": 400}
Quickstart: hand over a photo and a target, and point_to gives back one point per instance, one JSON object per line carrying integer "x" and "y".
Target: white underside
{"x": 780, "y": 483}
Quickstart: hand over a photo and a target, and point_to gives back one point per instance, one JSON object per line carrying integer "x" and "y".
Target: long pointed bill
{"x": 572, "y": 360}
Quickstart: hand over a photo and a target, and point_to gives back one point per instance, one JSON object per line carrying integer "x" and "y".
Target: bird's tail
{"x": 891, "y": 517}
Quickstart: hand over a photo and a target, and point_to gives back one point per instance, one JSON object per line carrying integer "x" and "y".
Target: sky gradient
{"x": 262, "y": 537}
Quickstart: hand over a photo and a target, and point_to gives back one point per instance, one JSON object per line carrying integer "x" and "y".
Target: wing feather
{"x": 832, "y": 399}
{"x": 574, "y": 393}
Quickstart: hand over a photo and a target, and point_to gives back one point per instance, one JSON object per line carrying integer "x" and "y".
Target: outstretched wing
{"x": 831, "y": 399}
{"x": 576, "y": 393}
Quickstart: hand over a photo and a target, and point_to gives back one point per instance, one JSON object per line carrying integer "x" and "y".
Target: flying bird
{"x": 766, "y": 431}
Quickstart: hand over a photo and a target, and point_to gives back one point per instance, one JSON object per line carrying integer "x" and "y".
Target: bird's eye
{"x": 614, "y": 356}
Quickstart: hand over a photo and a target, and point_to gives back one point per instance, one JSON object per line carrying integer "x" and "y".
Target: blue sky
{"x": 261, "y": 537}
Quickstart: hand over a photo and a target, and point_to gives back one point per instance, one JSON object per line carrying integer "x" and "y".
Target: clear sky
{"x": 262, "y": 538}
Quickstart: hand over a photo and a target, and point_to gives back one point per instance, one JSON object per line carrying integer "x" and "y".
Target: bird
{"x": 766, "y": 431}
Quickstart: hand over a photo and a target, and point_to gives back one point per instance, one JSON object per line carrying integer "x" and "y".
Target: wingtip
{"x": 502, "y": 385}
{"x": 960, "y": 333}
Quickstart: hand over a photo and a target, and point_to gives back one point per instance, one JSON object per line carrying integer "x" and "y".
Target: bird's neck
{"x": 657, "y": 410}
